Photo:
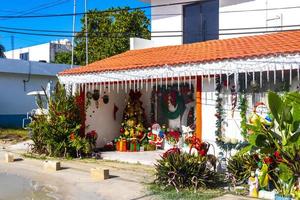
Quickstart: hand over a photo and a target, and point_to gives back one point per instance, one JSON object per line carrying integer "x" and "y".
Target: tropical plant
{"x": 2, "y": 50}
{"x": 181, "y": 170}
{"x": 281, "y": 141}
{"x": 52, "y": 132}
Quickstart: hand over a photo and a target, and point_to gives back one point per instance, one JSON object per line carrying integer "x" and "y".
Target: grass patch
{"x": 13, "y": 135}
{"x": 184, "y": 194}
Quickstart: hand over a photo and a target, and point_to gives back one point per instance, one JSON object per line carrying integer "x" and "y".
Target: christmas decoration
{"x": 179, "y": 96}
{"x": 233, "y": 99}
{"x": 253, "y": 185}
{"x": 115, "y": 112}
{"x": 133, "y": 125}
{"x": 223, "y": 142}
{"x": 260, "y": 116}
{"x": 243, "y": 105}
{"x": 156, "y": 135}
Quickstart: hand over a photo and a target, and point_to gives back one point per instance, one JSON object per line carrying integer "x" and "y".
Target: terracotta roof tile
{"x": 214, "y": 50}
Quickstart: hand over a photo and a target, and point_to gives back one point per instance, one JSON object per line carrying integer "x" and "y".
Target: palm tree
{"x": 2, "y": 50}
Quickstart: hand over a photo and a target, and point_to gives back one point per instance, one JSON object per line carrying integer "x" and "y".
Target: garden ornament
{"x": 297, "y": 189}
{"x": 262, "y": 174}
{"x": 253, "y": 185}
{"x": 260, "y": 116}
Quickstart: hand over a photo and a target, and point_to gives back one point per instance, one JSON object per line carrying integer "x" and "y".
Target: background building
{"x": 17, "y": 78}
{"x": 186, "y": 21}
{"x": 42, "y": 52}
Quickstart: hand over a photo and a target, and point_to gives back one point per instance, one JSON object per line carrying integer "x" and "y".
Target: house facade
{"x": 186, "y": 21}
{"x": 17, "y": 78}
{"x": 40, "y": 53}
{"x": 253, "y": 64}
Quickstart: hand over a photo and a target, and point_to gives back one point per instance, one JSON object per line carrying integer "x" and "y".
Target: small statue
{"x": 253, "y": 185}
{"x": 262, "y": 174}
{"x": 297, "y": 189}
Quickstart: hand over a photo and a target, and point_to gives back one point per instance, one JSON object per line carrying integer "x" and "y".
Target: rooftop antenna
{"x": 86, "y": 34}
{"x": 73, "y": 36}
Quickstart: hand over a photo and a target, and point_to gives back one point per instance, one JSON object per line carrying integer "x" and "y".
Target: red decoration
{"x": 171, "y": 151}
{"x": 268, "y": 160}
{"x": 115, "y": 111}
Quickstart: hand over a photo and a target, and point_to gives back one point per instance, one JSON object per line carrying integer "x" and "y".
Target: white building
{"x": 42, "y": 52}
{"x": 17, "y": 78}
{"x": 216, "y": 19}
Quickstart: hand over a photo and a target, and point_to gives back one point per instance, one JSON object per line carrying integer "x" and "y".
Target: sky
{"x": 44, "y": 7}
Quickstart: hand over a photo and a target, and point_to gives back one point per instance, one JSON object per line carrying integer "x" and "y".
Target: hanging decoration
{"x": 152, "y": 111}
{"x": 233, "y": 99}
{"x": 182, "y": 100}
{"x": 115, "y": 112}
{"x": 96, "y": 96}
{"x": 223, "y": 142}
{"x": 243, "y": 106}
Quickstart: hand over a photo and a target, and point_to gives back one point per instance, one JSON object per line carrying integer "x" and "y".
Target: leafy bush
{"x": 58, "y": 132}
{"x": 240, "y": 167}
{"x": 279, "y": 144}
{"x": 181, "y": 170}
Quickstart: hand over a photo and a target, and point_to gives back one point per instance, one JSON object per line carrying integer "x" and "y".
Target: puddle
{"x": 15, "y": 187}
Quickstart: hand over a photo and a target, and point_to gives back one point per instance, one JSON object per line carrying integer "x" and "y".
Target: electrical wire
{"x": 125, "y": 34}
{"x": 142, "y": 8}
{"x": 36, "y": 9}
{"x": 65, "y": 31}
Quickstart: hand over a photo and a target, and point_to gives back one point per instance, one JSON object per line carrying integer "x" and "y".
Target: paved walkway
{"x": 233, "y": 197}
{"x": 145, "y": 157}
{"x": 127, "y": 181}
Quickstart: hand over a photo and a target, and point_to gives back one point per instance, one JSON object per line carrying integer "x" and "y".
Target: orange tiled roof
{"x": 214, "y": 50}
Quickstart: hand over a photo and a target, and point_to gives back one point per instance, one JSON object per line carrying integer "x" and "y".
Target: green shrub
{"x": 240, "y": 167}
{"x": 181, "y": 170}
{"x": 57, "y": 133}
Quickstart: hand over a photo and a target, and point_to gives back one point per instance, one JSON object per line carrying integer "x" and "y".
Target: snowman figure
{"x": 260, "y": 114}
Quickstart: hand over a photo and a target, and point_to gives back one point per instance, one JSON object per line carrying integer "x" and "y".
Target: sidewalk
{"x": 74, "y": 181}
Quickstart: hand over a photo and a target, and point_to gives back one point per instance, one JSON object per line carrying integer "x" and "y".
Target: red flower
{"x": 268, "y": 160}
{"x": 278, "y": 156}
{"x": 72, "y": 136}
{"x": 171, "y": 151}
{"x": 202, "y": 152}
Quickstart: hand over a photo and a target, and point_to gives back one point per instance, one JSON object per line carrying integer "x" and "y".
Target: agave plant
{"x": 181, "y": 170}
{"x": 240, "y": 167}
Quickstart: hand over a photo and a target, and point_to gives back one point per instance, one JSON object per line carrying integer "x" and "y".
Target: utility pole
{"x": 12, "y": 40}
{"x": 86, "y": 34}
{"x": 73, "y": 36}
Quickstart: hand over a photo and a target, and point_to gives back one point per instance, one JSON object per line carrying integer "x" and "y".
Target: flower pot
{"x": 280, "y": 197}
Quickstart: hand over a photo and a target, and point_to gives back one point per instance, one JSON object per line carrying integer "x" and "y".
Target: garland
{"x": 243, "y": 112}
{"x": 220, "y": 115}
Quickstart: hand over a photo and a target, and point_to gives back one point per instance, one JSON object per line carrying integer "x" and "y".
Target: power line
{"x": 226, "y": 29}
{"x": 142, "y": 8}
{"x": 98, "y": 34}
{"x": 36, "y": 9}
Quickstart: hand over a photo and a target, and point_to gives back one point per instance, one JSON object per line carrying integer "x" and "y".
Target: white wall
{"x": 45, "y": 52}
{"x": 281, "y": 17}
{"x": 13, "y": 99}
{"x": 36, "y": 53}
{"x": 101, "y": 119}
{"x": 169, "y": 18}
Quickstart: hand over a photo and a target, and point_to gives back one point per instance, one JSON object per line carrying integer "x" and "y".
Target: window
{"x": 24, "y": 56}
{"x": 201, "y": 21}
